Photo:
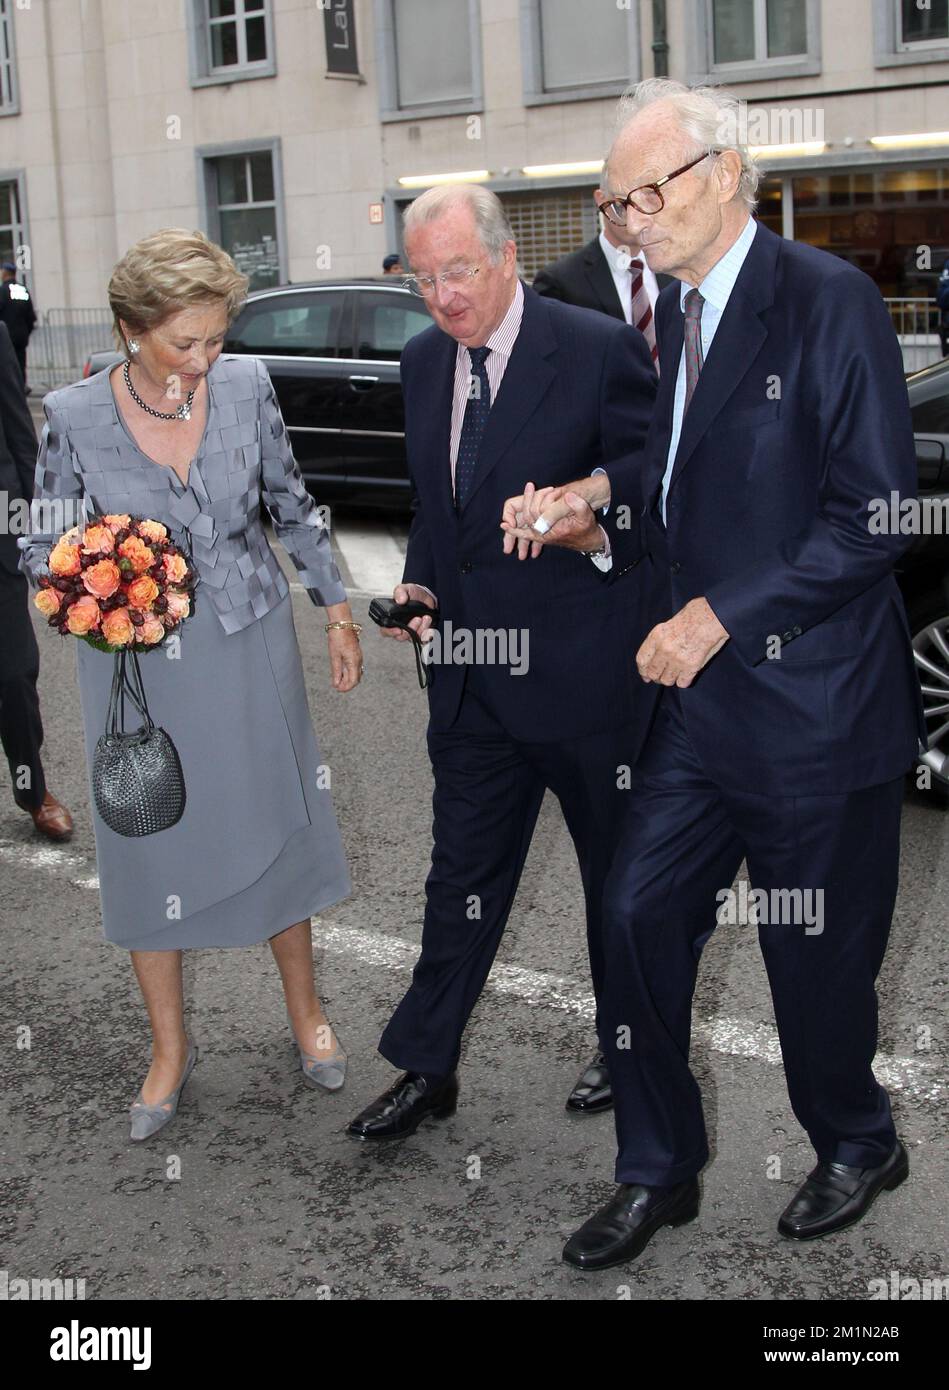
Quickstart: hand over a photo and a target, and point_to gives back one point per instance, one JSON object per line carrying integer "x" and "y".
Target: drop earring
{"x": 134, "y": 345}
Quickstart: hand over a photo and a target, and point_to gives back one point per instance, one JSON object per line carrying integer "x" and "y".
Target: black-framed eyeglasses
{"x": 648, "y": 197}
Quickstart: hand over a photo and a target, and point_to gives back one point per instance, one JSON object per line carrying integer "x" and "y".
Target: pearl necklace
{"x": 182, "y": 413}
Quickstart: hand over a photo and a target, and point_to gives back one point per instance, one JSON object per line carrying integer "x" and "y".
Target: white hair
{"x": 491, "y": 220}
{"x": 711, "y": 118}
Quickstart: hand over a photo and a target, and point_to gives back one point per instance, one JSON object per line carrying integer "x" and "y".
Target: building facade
{"x": 295, "y": 131}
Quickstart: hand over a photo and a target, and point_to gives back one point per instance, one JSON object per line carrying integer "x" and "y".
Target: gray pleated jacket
{"x": 87, "y": 452}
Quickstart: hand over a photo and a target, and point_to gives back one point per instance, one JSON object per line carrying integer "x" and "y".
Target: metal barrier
{"x": 61, "y": 342}
{"x": 917, "y": 326}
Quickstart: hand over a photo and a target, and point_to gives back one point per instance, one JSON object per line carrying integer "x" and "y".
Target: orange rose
{"x": 48, "y": 601}
{"x": 142, "y": 591}
{"x": 117, "y": 627}
{"x": 102, "y": 579}
{"x": 153, "y": 530}
{"x": 117, "y": 521}
{"x": 179, "y": 605}
{"x": 83, "y": 616}
{"x": 64, "y": 558}
{"x": 151, "y": 630}
{"x": 175, "y": 568}
{"x": 138, "y": 553}
{"x": 98, "y": 540}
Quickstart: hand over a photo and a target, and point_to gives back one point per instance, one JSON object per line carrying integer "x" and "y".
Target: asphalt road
{"x": 274, "y": 1201}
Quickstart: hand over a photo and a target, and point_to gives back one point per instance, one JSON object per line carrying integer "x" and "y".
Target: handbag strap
{"x": 126, "y": 684}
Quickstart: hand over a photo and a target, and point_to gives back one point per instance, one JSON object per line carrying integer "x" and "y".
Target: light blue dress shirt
{"x": 715, "y": 289}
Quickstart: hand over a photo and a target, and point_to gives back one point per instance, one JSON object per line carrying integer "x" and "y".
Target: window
{"x": 246, "y": 214}
{"x": 429, "y": 57}
{"x": 572, "y": 51}
{"x": 230, "y": 40}
{"x": 923, "y": 26}
{"x": 11, "y": 224}
{"x": 9, "y": 97}
{"x": 387, "y": 320}
{"x": 550, "y": 223}
{"x": 756, "y": 30}
{"x": 932, "y": 416}
{"x": 905, "y": 31}
{"x": 877, "y": 219}
{"x": 296, "y": 325}
{"x": 749, "y": 40}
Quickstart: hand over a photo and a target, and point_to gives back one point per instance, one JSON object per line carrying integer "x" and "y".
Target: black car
{"x": 332, "y": 349}
{"x": 923, "y": 572}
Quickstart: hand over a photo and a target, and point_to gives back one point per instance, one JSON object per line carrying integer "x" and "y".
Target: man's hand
{"x": 403, "y": 593}
{"x": 675, "y": 652}
{"x": 555, "y": 516}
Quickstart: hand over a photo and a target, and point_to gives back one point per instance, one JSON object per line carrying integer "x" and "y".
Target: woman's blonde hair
{"x": 168, "y": 271}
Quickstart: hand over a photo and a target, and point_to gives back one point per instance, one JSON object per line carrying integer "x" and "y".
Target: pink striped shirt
{"x": 501, "y": 343}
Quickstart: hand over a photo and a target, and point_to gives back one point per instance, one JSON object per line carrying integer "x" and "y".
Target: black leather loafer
{"x": 624, "y": 1227}
{"x": 593, "y": 1091}
{"x": 835, "y": 1196}
{"x": 400, "y": 1110}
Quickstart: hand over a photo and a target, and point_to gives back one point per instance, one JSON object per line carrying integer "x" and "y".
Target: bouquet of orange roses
{"x": 120, "y": 584}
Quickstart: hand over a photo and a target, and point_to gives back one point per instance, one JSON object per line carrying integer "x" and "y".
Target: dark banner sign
{"x": 340, "y": 21}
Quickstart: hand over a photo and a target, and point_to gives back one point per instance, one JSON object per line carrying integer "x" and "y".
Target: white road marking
{"x": 374, "y": 557}
{"x": 917, "y": 1077}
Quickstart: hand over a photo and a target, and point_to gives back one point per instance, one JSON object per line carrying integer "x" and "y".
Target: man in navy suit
{"x": 503, "y": 380}
{"x": 786, "y": 705}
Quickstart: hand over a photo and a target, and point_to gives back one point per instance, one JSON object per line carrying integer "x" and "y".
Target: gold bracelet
{"x": 351, "y": 627}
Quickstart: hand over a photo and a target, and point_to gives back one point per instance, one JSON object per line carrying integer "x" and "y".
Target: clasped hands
{"x": 673, "y": 652}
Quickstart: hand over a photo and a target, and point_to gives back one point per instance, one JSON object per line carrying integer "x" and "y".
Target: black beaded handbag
{"x": 137, "y": 782}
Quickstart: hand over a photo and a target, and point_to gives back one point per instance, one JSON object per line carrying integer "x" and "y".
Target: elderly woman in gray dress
{"x": 191, "y": 438}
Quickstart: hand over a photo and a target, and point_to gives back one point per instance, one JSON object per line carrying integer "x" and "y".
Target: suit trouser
{"x": 682, "y": 844}
{"x": 488, "y": 792}
{"x": 21, "y": 729}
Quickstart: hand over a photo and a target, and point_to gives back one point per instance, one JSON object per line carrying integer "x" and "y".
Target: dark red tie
{"x": 694, "y": 357}
{"x": 642, "y": 310}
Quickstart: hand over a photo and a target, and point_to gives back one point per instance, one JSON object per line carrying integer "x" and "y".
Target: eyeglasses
{"x": 649, "y": 199}
{"x": 424, "y": 285}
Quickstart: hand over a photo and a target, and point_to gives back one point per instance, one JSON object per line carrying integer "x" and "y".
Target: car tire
{"x": 929, "y": 628}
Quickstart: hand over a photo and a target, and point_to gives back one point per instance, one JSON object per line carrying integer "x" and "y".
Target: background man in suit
{"x": 503, "y": 376}
{"x": 21, "y": 730}
{"x": 787, "y": 706}
{"x": 610, "y": 274}
{"x": 17, "y": 312}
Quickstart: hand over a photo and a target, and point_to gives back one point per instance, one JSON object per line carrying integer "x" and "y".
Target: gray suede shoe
{"x": 149, "y": 1119}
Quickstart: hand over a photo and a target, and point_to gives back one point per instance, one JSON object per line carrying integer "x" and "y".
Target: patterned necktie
{"x": 642, "y": 311}
{"x": 693, "y": 343}
{"x": 472, "y": 427}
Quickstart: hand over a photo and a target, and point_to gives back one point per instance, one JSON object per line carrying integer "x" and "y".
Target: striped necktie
{"x": 642, "y": 310}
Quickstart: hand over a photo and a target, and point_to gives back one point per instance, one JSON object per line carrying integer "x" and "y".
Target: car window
{"x": 297, "y": 325}
{"x": 387, "y": 321}
{"x": 932, "y": 416}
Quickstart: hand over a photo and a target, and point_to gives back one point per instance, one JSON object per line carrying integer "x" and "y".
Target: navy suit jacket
{"x": 799, "y": 419}
{"x": 577, "y": 394}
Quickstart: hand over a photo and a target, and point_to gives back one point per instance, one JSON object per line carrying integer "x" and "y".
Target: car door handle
{"x": 362, "y": 383}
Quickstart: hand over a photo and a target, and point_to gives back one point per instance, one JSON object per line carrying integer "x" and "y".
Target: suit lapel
{"x": 434, "y": 427}
{"x": 527, "y": 378}
{"x": 601, "y": 280}
{"x": 669, "y": 328}
{"x": 738, "y": 340}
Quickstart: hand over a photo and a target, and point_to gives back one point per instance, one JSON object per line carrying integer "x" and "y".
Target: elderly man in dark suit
{"x": 787, "y": 709}
{"x": 503, "y": 376}
{"x": 610, "y": 274}
{"x": 21, "y": 729}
